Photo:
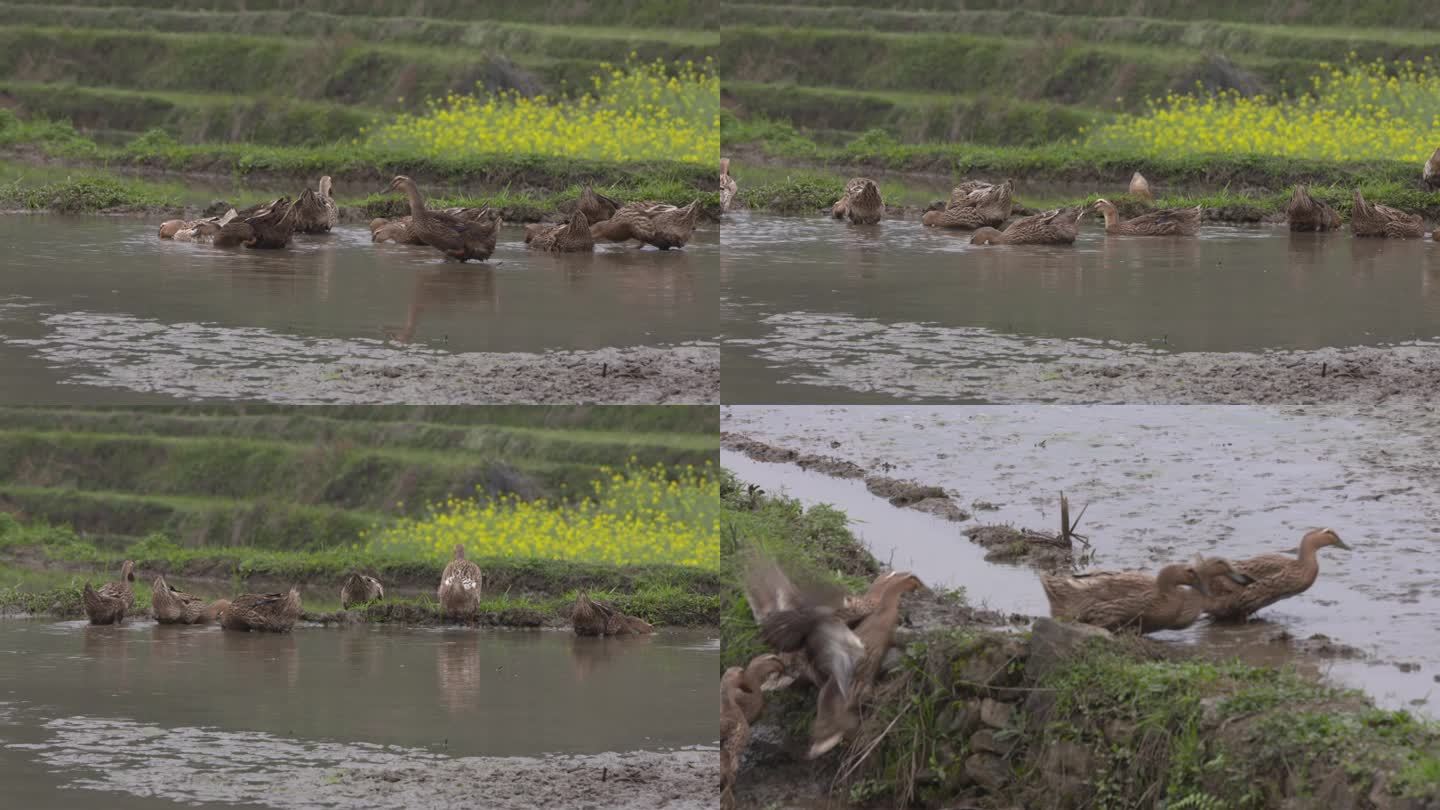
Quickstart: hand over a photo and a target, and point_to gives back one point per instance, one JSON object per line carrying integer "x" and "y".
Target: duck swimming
{"x": 456, "y": 237}
{"x": 113, "y": 600}
{"x": 1276, "y": 577}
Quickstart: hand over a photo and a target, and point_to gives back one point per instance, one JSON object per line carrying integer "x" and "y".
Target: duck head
{"x": 127, "y": 571}
{"x": 1321, "y": 538}
{"x": 400, "y": 183}
{"x": 1218, "y": 566}
{"x": 325, "y": 186}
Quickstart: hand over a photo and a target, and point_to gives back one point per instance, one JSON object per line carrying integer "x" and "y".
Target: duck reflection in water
{"x": 591, "y": 653}
{"x": 471, "y": 288}
{"x": 457, "y": 663}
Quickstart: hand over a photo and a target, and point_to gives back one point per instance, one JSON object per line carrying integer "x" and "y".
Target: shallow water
{"x": 195, "y": 714}
{"x": 87, "y": 298}
{"x": 819, "y": 311}
{"x": 1159, "y": 484}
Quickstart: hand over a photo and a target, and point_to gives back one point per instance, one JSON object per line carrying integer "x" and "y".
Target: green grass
{"x": 682, "y": 14}
{"x": 601, "y": 42}
{"x": 535, "y": 178}
{"x": 659, "y": 593}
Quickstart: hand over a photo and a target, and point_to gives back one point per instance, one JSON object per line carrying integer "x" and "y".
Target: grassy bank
{"x": 43, "y": 570}
{"x": 100, "y": 191}
{"x": 1064, "y": 716}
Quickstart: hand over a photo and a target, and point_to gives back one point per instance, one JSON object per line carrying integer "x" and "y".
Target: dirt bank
{"x": 1045, "y": 551}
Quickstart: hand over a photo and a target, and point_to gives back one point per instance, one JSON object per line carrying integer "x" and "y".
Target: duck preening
{"x": 1165, "y": 222}
{"x": 1140, "y": 187}
{"x": 457, "y": 237}
{"x": 1305, "y": 213}
{"x": 973, "y": 204}
{"x": 861, "y": 204}
{"x": 261, "y": 612}
{"x": 110, "y": 603}
{"x": 315, "y": 209}
{"x": 460, "y": 587}
{"x": 1274, "y": 577}
{"x": 741, "y": 702}
{"x": 265, "y": 226}
{"x": 360, "y": 588}
{"x": 173, "y": 606}
{"x": 195, "y": 230}
{"x": 572, "y": 236}
{"x": 1373, "y": 219}
{"x": 1430, "y": 175}
{"x": 1057, "y": 227}
{"x": 592, "y": 618}
{"x": 596, "y": 206}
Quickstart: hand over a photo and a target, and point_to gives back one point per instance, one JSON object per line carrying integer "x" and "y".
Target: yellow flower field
{"x": 1358, "y": 111}
{"x": 631, "y": 516}
{"x": 637, "y": 111}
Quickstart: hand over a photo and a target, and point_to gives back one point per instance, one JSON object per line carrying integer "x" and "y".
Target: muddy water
{"x": 101, "y": 302}
{"x": 818, "y": 311}
{"x": 200, "y": 715}
{"x": 1159, "y": 484}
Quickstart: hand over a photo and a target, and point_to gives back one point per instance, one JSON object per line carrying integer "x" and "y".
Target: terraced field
{"x": 299, "y": 480}
{"x": 1031, "y": 72}
{"x": 232, "y": 71}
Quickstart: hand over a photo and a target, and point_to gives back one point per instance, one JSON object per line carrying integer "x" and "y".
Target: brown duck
{"x": 591, "y": 618}
{"x": 315, "y": 209}
{"x": 972, "y": 205}
{"x": 460, "y": 587}
{"x": 741, "y": 702}
{"x": 565, "y": 237}
{"x": 195, "y": 230}
{"x": 1430, "y": 175}
{"x": 267, "y": 226}
{"x": 1140, "y": 187}
{"x": 1058, "y": 227}
{"x": 1118, "y": 600}
{"x": 846, "y": 661}
{"x": 1305, "y": 213}
{"x": 1373, "y": 219}
{"x": 861, "y": 204}
{"x": 456, "y": 237}
{"x": 1165, "y": 222}
{"x": 261, "y": 612}
{"x": 360, "y": 588}
{"x": 395, "y": 230}
{"x": 596, "y": 206}
{"x": 172, "y": 606}
{"x": 1276, "y": 577}
{"x": 109, "y": 604}
{"x": 1211, "y": 570}
{"x": 662, "y": 226}
{"x": 728, "y": 187}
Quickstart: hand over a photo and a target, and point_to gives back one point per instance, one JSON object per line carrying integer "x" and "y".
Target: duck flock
{"x": 984, "y": 208}
{"x": 836, "y": 641}
{"x": 461, "y": 234}
{"x": 458, "y": 593}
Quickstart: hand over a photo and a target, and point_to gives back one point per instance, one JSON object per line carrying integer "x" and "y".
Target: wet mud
{"x": 211, "y": 362}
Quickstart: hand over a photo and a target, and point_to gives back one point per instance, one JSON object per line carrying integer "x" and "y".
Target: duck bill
{"x": 1341, "y": 544}
{"x": 1239, "y": 578}
{"x": 1202, "y": 587}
